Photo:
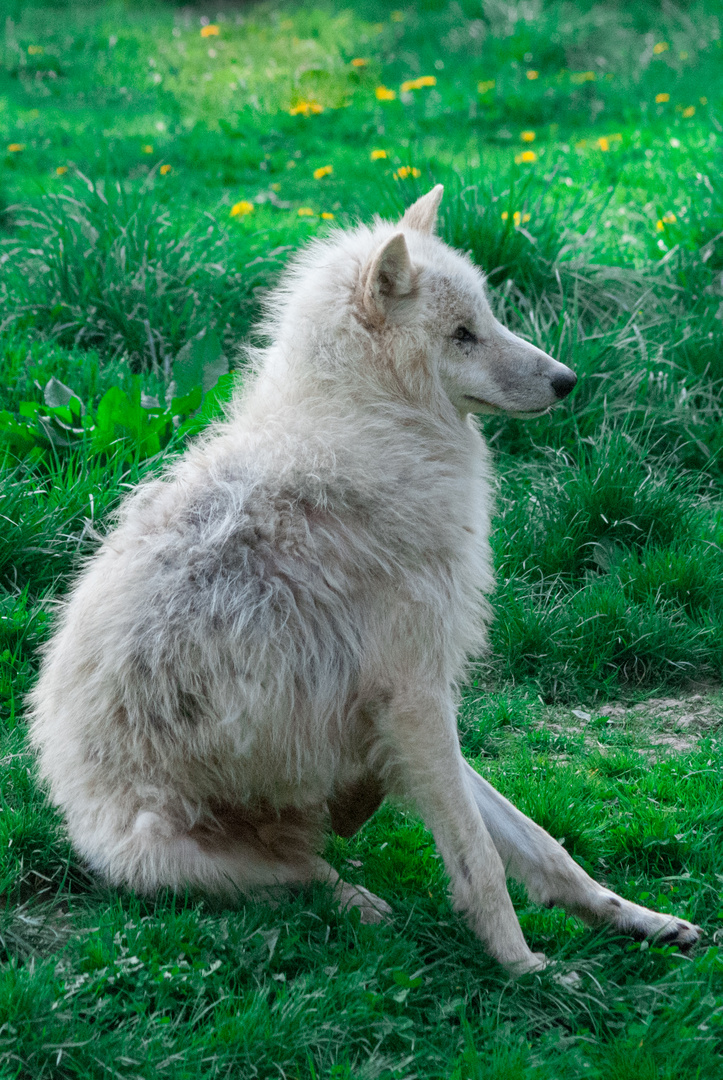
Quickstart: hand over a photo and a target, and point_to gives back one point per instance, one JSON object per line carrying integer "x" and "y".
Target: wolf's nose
{"x": 563, "y": 383}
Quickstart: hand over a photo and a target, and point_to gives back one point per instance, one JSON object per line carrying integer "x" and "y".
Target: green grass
{"x": 127, "y": 287}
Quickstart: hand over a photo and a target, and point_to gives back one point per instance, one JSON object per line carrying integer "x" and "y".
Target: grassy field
{"x": 159, "y": 164}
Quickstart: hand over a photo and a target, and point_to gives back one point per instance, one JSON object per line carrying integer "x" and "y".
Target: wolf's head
{"x": 394, "y": 308}
{"x": 482, "y": 366}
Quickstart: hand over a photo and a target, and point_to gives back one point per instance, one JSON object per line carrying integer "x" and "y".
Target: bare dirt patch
{"x": 655, "y": 726}
{"x": 676, "y": 723}
{"x": 673, "y": 724}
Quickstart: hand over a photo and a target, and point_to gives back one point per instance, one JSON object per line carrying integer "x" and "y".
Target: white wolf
{"x": 271, "y": 636}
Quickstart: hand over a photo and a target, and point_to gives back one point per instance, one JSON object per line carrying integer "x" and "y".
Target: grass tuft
{"x": 109, "y": 270}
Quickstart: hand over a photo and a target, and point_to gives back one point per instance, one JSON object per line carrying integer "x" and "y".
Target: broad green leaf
{"x": 219, "y": 394}
{"x": 410, "y": 982}
{"x": 57, "y": 393}
{"x": 56, "y": 435}
{"x": 14, "y": 436}
{"x": 114, "y": 410}
{"x": 122, "y": 416}
{"x": 212, "y": 406}
{"x": 200, "y": 361}
{"x": 188, "y": 403}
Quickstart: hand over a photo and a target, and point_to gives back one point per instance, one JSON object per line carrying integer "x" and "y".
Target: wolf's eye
{"x": 463, "y": 334}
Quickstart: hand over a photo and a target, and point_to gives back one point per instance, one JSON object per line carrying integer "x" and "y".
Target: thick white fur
{"x": 276, "y": 627}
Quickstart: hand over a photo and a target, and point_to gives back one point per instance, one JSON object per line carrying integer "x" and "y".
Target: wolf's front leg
{"x": 552, "y": 876}
{"x": 421, "y": 734}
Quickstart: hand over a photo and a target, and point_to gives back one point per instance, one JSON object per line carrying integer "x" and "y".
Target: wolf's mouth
{"x": 481, "y": 401}
{"x": 520, "y": 414}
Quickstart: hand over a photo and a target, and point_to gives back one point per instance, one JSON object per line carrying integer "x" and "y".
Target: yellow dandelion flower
{"x": 210, "y": 31}
{"x": 304, "y": 108}
{"x": 659, "y": 226}
{"x": 377, "y": 155}
{"x": 669, "y": 218}
{"x": 16, "y": 147}
{"x": 517, "y": 217}
{"x": 603, "y": 143}
{"x": 384, "y": 94}
{"x": 580, "y": 77}
{"x": 325, "y": 170}
{"x": 405, "y": 171}
{"x": 241, "y": 209}
{"x": 527, "y": 136}
{"x": 148, "y": 149}
{"x": 305, "y": 211}
{"x": 690, "y": 111}
{"x": 660, "y": 98}
{"x": 165, "y": 169}
{"x": 486, "y": 86}
{"x": 61, "y": 170}
{"x": 532, "y": 75}
{"x": 661, "y": 47}
{"x": 526, "y": 157}
{"x": 417, "y": 84}
{"x": 359, "y": 61}
{"x": 397, "y": 16}
{"x": 35, "y": 50}
{"x": 327, "y": 216}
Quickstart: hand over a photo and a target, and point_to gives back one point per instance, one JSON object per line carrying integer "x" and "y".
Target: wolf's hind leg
{"x": 372, "y": 909}
{"x": 553, "y": 878}
{"x": 234, "y": 855}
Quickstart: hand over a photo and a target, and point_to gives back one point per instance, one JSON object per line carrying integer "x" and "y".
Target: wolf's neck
{"x": 352, "y": 392}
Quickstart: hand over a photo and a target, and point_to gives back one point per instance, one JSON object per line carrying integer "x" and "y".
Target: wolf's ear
{"x": 389, "y": 276}
{"x": 422, "y": 215}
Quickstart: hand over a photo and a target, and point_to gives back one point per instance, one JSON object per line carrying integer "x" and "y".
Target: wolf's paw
{"x": 534, "y": 961}
{"x": 640, "y": 923}
{"x": 677, "y": 932}
{"x": 643, "y": 924}
{"x": 372, "y": 909}
{"x": 561, "y": 974}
